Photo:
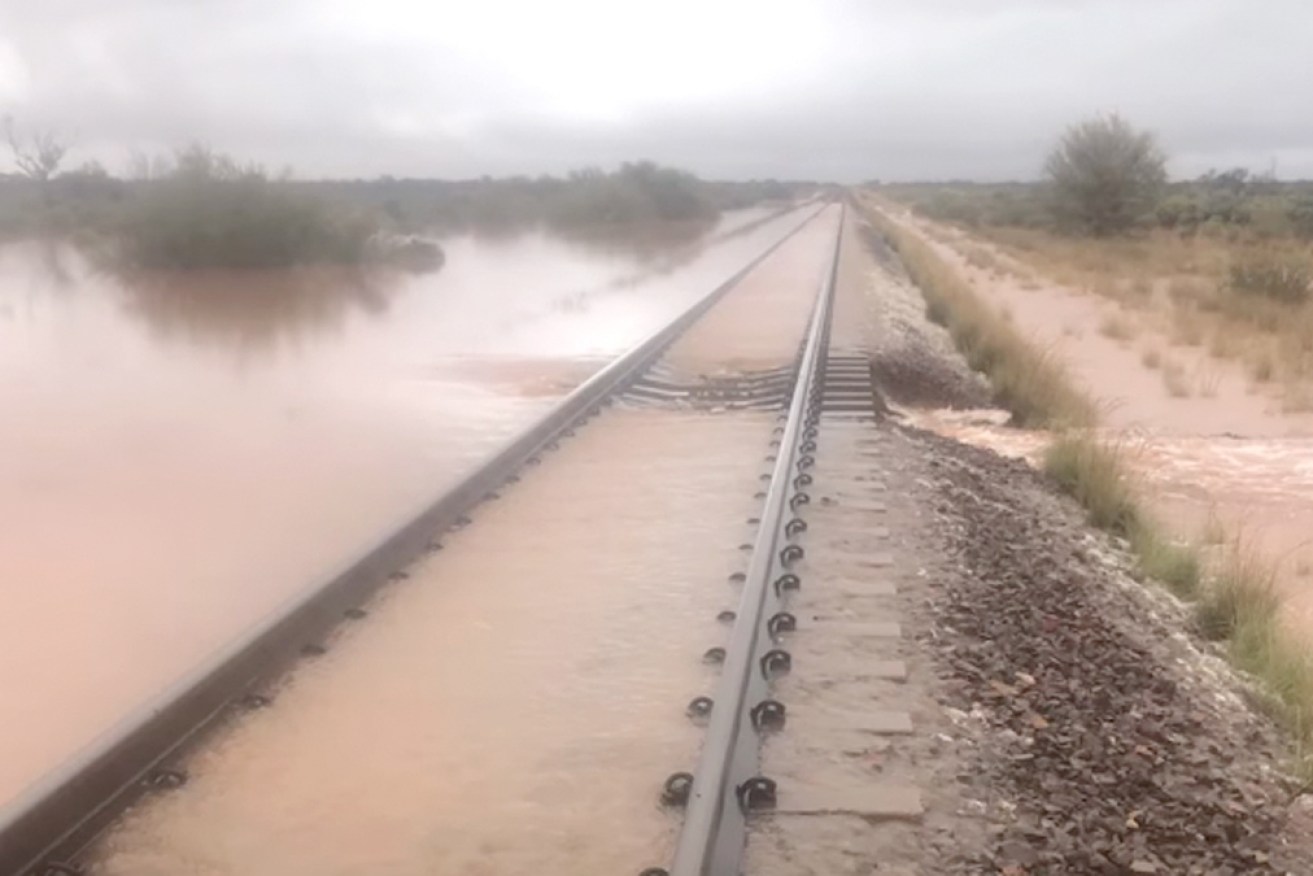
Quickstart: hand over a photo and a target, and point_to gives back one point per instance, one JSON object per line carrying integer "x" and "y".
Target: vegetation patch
{"x": 1236, "y": 605}
{"x": 1030, "y": 384}
{"x": 210, "y": 212}
{"x": 1231, "y": 251}
{"x": 1272, "y": 276}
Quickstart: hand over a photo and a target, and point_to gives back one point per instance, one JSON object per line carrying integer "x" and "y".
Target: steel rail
{"x": 55, "y": 819}
{"x": 726, "y": 786}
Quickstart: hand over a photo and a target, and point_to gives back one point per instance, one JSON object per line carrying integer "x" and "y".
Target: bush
{"x": 1105, "y": 175}
{"x": 1299, "y": 213}
{"x": 635, "y": 193}
{"x": 1278, "y": 278}
{"x": 209, "y": 212}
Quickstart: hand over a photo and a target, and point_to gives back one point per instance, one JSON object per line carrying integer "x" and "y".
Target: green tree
{"x": 1105, "y": 175}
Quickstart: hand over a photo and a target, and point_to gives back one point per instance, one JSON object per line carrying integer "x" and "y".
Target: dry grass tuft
{"x": 1118, "y": 327}
{"x": 1241, "y": 597}
{"x": 1151, "y": 359}
{"x": 1093, "y": 473}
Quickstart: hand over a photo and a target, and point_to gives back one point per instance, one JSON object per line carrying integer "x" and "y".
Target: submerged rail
{"x": 44, "y": 829}
{"x": 726, "y": 786}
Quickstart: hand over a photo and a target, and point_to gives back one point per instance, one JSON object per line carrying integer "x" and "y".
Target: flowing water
{"x": 1220, "y": 449}
{"x": 179, "y": 455}
{"x": 513, "y": 705}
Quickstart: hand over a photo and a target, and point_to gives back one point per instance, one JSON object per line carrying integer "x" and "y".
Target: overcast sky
{"x": 831, "y": 89}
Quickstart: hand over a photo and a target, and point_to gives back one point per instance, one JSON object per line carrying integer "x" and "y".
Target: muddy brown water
{"x": 513, "y": 705}
{"x": 179, "y": 457}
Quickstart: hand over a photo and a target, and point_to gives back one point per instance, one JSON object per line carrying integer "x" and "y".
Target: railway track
{"x": 50, "y": 830}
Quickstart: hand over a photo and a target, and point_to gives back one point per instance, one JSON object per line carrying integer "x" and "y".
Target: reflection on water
{"x": 176, "y": 459}
{"x": 255, "y": 310}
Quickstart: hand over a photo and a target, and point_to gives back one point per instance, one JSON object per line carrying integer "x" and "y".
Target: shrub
{"x": 1300, "y": 216}
{"x": 1241, "y": 599}
{"x": 209, "y": 212}
{"x": 1268, "y": 275}
{"x": 1105, "y": 175}
{"x": 635, "y": 193}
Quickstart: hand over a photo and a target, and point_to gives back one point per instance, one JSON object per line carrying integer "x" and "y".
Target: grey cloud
{"x": 947, "y": 88}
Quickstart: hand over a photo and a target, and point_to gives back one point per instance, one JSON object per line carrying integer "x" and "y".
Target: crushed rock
{"x": 1105, "y": 739}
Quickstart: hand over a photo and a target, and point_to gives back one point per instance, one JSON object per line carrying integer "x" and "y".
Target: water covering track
{"x": 45, "y": 829}
{"x": 726, "y": 786}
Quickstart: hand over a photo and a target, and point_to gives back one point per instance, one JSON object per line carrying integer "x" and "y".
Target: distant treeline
{"x": 1216, "y": 202}
{"x": 203, "y": 209}
{"x": 635, "y": 194}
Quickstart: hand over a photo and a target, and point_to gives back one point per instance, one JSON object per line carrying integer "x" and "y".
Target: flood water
{"x": 514, "y": 705}
{"x": 515, "y": 702}
{"x": 1218, "y": 458}
{"x": 178, "y": 457}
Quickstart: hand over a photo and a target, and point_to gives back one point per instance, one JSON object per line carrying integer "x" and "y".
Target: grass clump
{"x": 210, "y": 212}
{"x": 1176, "y": 565}
{"x": 1238, "y": 605}
{"x": 1092, "y": 473}
{"x": 1267, "y": 275}
{"x": 1029, "y": 383}
{"x": 1241, "y": 606}
{"x": 1241, "y": 600}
